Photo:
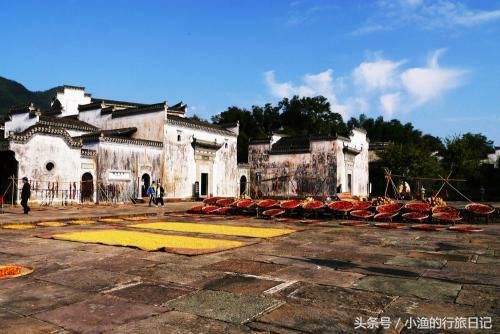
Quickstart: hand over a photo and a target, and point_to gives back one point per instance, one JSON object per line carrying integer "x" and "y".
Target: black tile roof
{"x": 107, "y": 110}
{"x": 26, "y": 135}
{"x": 298, "y": 144}
{"x": 70, "y": 123}
{"x": 90, "y": 106}
{"x": 116, "y": 102}
{"x": 176, "y": 120}
{"x": 206, "y": 144}
{"x": 259, "y": 141}
{"x": 178, "y": 107}
{"x": 138, "y": 110}
{"x": 120, "y": 132}
{"x": 120, "y": 136}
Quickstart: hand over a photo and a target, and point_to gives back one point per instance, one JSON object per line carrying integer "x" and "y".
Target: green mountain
{"x": 13, "y": 94}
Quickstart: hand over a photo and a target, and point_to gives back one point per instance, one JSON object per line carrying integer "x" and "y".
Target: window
{"x": 49, "y": 166}
{"x": 178, "y": 137}
{"x": 225, "y": 145}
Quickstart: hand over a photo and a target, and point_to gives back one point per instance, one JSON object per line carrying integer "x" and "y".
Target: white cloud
{"x": 385, "y": 83}
{"x": 379, "y": 74}
{"x": 389, "y": 103}
{"x": 313, "y": 85}
{"x": 278, "y": 89}
{"x": 470, "y": 18}
{"x": 428, "y": 83}
{"x": 424, "y": 14}
{"x": 370, "y": 28}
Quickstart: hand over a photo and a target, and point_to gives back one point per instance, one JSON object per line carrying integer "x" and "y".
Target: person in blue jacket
{"x": 152, "y": 193}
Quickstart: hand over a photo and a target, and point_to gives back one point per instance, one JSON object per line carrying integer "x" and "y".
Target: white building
{"x": 303, "y": 166}
{"x": 89, "y": 149}
{"x": 494, "y": 158}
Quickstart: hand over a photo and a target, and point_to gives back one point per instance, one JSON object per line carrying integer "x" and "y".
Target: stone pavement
{"x": 39, "y": 214}
{"x": 326, "y": 278}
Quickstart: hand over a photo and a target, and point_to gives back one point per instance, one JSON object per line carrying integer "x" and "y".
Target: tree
{"x": 310, "y": 116}
{"x": 464, "y": 155}
{"x": 248, "y": 127}
{"x": 466, "y": 152}
{"x": 410, "y": 160}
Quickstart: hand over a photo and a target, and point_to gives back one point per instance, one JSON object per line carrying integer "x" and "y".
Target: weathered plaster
{"x": 59, "y": 183}
{"x": 318, "y": 172}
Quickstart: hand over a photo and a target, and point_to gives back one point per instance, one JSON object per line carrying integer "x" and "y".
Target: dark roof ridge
{"x": 28, "y": 133}
{"x": 139, "y": 110}
{"x": 66, "y": 123}
{"x": 112, "y": 132}
{"x": 117, "y": 102}
{"x": 258, "y": 141}
{"x": 197, "y": 124}
{"x": 90, "y": 106}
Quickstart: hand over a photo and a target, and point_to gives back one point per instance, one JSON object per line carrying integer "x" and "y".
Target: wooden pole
{"x": 12, "y": 201}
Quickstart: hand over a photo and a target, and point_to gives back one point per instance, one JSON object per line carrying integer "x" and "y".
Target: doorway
{"x": 349, "y": 183}
{"x": 204, "y": 184}
{"x": 8, "y": 169}
{"x": 243, "y": 184}
{"x": 87, "y": 188}
{"x": 146, "y": 181}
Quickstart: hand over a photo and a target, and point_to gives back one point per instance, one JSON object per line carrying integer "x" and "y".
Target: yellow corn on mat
{"x": 111, "y": 220}
{"x": 151, "y": 241}
{"x": 18, "y": 226}
{"x": 138, "y": 218}
{"x": 242, "y": 231}
{"x": 82, "y": 222}
{"x": 51, "y": 224}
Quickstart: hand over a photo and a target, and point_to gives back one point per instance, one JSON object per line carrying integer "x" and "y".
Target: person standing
{"x": 152, "y": 193}
{"x": 25, "y": 195}
{"x": 159, "y": 194}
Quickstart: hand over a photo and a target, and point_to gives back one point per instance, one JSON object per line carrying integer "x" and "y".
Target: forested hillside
{"x": 13, "y": 94}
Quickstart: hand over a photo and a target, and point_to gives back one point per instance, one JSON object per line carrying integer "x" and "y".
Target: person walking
{"x": 25, "y": 195}
{"x": 159, "y": 194}
{"x": 152, "y": 193}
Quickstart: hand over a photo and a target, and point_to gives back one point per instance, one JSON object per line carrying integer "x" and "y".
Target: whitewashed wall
{"x": 181, "y": 168}
{"x": 130, "y": 161}
{"x": 149, "y": 125}
{"x": 19, "y": 123}
{"x": 358, "y": 140}
{"x": 36, "y": 153}
{"x": 70, "y": 98}
{"x": 321, "y": 170}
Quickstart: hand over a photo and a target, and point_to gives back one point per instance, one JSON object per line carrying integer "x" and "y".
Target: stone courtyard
{"x": 324, "y": 278}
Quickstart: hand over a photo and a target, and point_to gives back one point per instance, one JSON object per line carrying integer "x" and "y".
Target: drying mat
{"x": 299, "y": 220}
{"x": 17, "y": 226}
{"x": 111, "y": 220}
{"x": 137, "y": 218}
{"x": 82, "y": 222}
{"x": 465, "y": 228}
{"x": 51, "y": 224}
{"x": 241, "y": 231}
{"x": 174, "y": 214}
{"x": 355, "y": 223}
{"x": 13, "y": 270}
{"x": 149, "y": 241}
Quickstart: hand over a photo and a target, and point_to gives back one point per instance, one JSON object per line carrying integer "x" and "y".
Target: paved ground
{"x": 38, "y": 214}
{"x": 327, "y": 278}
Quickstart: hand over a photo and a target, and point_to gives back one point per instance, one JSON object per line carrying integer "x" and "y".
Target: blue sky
{"x": 434, "y": 63}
